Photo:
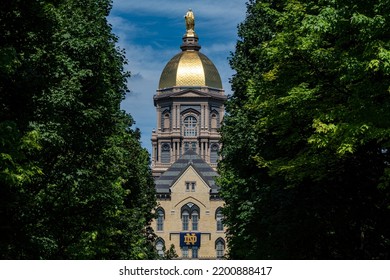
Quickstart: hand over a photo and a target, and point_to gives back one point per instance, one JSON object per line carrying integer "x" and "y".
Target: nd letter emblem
{"x": 190, "y": 239}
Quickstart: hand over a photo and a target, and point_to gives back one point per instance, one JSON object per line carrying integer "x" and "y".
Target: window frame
{"x": 195, "y": 220}
{"x": 219, "y": 219}
{"x": 190, "y": 186}
{"x": 184, "y": 252}
{"x": 166, "y": 121}
{"x": 194, "y": 252}
{"x": 185, "y": 217}
{"x": 160, "y": 251}
{"x": 160, "y": 219}
{"x": 220, "y": 248}
{"x": 190, "y": 126}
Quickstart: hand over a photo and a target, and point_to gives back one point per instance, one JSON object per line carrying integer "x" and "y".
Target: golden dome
{"x": 190, "y": 68}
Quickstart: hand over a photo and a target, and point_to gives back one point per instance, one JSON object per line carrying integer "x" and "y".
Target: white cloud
{"x": 120, "y": 23}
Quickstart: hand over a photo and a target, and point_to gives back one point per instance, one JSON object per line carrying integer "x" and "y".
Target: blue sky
{"x": 150, "y": 32}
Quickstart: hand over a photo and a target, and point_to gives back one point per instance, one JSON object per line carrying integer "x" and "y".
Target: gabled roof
{"x": 189, "y": 158}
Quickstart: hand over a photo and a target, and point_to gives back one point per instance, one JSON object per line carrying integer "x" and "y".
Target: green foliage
{"x": 306, "y": 137}
{"x": 15, "y": 168}
{"x": 74, "y": 180}
{"x": 170, "y": 254}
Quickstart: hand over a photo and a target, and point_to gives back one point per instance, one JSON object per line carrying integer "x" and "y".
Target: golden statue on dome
{"x": 190, "y": 21}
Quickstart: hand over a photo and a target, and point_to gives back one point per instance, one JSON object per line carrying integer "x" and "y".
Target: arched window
{"x": 167, "y": 121}
{"x": 220, "y": 248}
{"x": 185, "y": 218}
{"x": 165, "y": 153}
{"x": 219, "y": 218}
{"x": 194, "y": 219}
{"x": 190, "y": 126}
{"x": 160, "y": 245}
{"x": 214, "y": 153}
{"x": 160, "y": 219}
{"x": 190, "y": 211}
{"x": 214, "y": 121}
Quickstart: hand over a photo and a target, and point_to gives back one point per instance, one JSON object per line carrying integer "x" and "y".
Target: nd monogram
{"x": 190, "y": 239}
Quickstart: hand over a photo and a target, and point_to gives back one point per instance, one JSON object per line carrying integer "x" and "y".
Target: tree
{"x": 305, "y": 169}
{"x": 83, "y": 187}
{"x": 170, "y": 254}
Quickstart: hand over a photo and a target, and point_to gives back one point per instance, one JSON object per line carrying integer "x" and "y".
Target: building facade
{"x": 190, "y": 106}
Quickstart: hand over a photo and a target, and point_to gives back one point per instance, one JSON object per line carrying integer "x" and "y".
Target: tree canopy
{"x": 305, "y": 144}
{"x": 74, "y": 180}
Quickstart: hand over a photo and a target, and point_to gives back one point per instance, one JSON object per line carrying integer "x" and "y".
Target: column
{"x": 178, "y": 117}
{"x": 158, "y": 118}
{"x": 153, "y": 154}
{"x": 204, "y": 117}
{"x": 200, "y": 147}
{"x": 201, "y": 117}
{"x": 173, "y": 117}
{"x": 208, "y": 152}
{"x": 159, "y": 152}
{"x": 207, "y": 116}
